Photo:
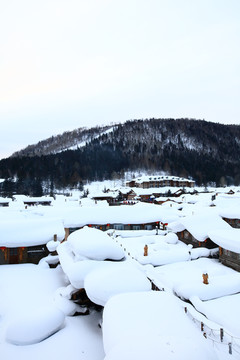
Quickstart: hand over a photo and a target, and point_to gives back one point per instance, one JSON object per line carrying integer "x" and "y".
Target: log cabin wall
{"x": 230, "y": 259}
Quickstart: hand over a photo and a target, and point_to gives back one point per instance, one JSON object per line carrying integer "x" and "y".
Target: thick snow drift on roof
{"x": 103, "y": 283}
{"x": 135, "y": 233}
{"x": 90, "y": 243}
{"x": 171, "y": 238}
{"x": 150, "y": 325}
{"x": 34, "y": 327}
{"x": 232, "y": 212}
{"x": 135, "y": 214}
{"x": 185, "y": 279}
{"x": 77, "y": 271}
{"x": 161, "y": 249}
{"x": 38, "y": 199}
{"x": 218, "y": 286}
{"x": 214, "y": 310}
{"x": 4, "y": 200}
{"x": 164, "y": 256}
{"x": 29, "y": 232}
{"x": 176, "y": 226}
{"x": 200, "y": 225}
{"x": 228, "y": 239}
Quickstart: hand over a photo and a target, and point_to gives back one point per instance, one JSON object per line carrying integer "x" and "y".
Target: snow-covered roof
{"x": 123, "y": 277}
{"x": 185, "y": 278}
{"x": 136, "y": 214}
{"x": 30, "y": 232}
{"x": 81, "y": 259}
{"x": 200, "y": 225}
{"x": 90, "y": 243}
{"x": 229, "y": 238}
{"x": 145, "y": 178}
{"x": 232, "y": 212}
{"x": 38, "y": 199}
{"x": 4, "y": 200}
{"x": 106, "y": 195}
{"x": 176, "y": 226}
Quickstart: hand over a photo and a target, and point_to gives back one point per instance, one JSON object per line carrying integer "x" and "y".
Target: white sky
{"x": 71, "y": 63}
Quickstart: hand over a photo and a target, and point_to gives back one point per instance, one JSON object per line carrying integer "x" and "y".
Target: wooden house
{"x": 178, "y": 193}
{"x": 118, "y": 226}
{"x": 231, "y": 215}
{"x": 127, "y": 195}
{"x": 119, "y": 217}
{"x": 25, "y": 241}
{"x": 188, "y": 238}
{"x": 235, "y": 223}
{"x": 229, "y": 246}
{"x": 155, "y": 181}
{"x": 112, "y": 197}
{"x": 33, "y": 201}
{"x": 4, "y": 202}
{"x": 194, "y": 229}
{"x": 131, "y": 183}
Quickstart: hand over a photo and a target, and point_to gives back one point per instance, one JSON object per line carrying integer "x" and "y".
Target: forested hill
{"x": 68, "y": 140}
{"x": 205, "y": 151}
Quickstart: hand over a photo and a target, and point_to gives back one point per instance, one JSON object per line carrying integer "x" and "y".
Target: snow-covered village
{"x": 119, "y": 180}
{"x": 121, "y": 273}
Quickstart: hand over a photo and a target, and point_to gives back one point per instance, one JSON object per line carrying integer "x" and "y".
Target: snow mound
{"x": 76, "y": 272}
{"x": 52, "y": 245}
{"x": 102, "y": 283}
{"x": 164, "y": 256}
{"x": 151, "y": 325}
{"x": 34, "y": 327}
{"x": 94, "y": 244}
{"x": 199, "y": 252}
{"x": 171, "y": 238}
{"x": 160, "y": 347}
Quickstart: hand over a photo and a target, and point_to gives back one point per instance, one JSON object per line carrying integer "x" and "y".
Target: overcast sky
{"x": 71, "y": 63}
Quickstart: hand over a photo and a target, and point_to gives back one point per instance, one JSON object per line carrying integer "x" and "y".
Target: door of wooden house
{"x": 13, "y": 256}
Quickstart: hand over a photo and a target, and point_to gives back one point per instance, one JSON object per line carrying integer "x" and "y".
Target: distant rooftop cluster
{"x": 146, "y": 182}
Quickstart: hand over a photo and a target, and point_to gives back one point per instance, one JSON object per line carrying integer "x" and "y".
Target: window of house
{"x": 136, "y": 227}
{"x": 13, "y": 251}
{"x": 148, "y": 227}
{"x": 118, "y": 226}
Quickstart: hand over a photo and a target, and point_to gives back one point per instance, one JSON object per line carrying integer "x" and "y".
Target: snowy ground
{"x": 25, "y": 288}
